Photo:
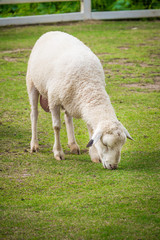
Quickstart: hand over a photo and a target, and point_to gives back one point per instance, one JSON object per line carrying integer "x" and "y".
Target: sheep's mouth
{"x": 110, "y": 166}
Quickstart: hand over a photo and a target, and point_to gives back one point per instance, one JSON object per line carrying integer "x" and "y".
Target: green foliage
{"x": 101, "y": 5}
{"x": 118, "y": 5}
{"x": 121, "y": 5}
{"x": 66, "y": 7}
{"x": 38, "y": 8}
{"x": 135, "y": 5}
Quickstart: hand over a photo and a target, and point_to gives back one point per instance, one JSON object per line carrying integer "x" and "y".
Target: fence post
{"x": 86, "y": 9}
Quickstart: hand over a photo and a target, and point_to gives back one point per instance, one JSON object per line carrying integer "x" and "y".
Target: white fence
{"x": 84, "y": 14}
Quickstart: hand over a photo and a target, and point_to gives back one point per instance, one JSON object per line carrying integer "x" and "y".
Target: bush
{"x": 66, "y": 7}
{"x": 13, "y": 10}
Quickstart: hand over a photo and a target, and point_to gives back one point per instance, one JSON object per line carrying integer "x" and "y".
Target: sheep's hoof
{"x": 58, "y": 155}
{"x": 74, "y": 148}
{"x": 94, "y": 155}
{"x": 34, "y": 147}
{"x": 96, "y": 160}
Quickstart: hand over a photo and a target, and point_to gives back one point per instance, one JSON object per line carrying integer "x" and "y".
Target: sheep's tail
{"x": 44, "y": 104}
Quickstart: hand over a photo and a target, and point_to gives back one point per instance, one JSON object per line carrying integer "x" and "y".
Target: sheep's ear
{"x": 127, "y": 134}
{"x": 96, "y": 136}
{"x": 90, "y": 143}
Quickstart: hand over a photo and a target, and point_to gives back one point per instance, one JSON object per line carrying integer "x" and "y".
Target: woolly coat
{"x": 67, "y": 73}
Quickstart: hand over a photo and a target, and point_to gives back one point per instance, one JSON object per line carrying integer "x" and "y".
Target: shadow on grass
{"x": 135, "y": 160}
{"x": 18, "y": 138}
{"x": 139, "y": 160}
{"x": 13, "y": 137}
{"x": 9, "y": 131}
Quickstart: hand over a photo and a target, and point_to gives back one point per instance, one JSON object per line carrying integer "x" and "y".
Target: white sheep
{"x": 68, "y": 75}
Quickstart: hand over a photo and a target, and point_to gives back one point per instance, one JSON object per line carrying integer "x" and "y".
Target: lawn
{"x": 42, "y": 198}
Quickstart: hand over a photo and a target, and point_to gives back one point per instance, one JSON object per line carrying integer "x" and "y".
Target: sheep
{"x": 68, "y": 75}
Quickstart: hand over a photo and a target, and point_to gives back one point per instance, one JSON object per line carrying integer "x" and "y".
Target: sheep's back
{"x": 60, "y": 64}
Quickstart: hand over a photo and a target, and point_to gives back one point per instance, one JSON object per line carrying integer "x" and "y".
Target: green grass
{"x": 42, "y": 198}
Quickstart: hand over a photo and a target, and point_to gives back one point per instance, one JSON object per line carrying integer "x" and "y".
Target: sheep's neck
{"x": 94, "y": 114}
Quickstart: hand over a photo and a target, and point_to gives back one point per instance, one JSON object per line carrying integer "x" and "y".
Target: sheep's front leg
{"x": 70, "y": 133}
{"x": 57, "y": 149}
{"x": 33, "y": 96}
{"x": 92, "y": 150}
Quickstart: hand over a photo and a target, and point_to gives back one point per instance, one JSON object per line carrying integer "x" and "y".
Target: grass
{"x": 42, "y": 198}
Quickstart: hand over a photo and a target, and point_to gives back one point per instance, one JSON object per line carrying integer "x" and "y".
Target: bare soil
{"x": 151, "y": 87}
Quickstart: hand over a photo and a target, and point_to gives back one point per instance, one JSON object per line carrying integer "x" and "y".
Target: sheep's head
{"x": 108, "y": 139}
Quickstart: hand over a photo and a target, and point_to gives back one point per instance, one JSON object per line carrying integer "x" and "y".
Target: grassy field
{"x": 42, "y": 198}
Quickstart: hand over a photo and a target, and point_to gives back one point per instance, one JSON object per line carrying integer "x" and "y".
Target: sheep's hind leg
{"x": 70, "y": 133}
{"x": 57, "y": 149}
{"x": 92, "y": 150}
{"x": 33, "y": 96}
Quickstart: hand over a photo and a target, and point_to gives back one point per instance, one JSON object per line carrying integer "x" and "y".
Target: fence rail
{"x": 84, "y": 14}
{"x": 31, "y": 1}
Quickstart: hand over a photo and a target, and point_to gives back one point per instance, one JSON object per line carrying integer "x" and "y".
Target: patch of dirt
{"x": 108, "y": 71}
{"x": 120, "y": 61}
{"x": 10, "y": 59}
{"x": 17, "y": 50}
{"x": 134, "y": 28}
{"x": 154, "y": 38}
{"x": 124, "y": 48}
{"x": 146, "y": 65}
{"x": 141, "y": 44}
{"x": 102, "y": 54}
{"x": 45, "y": 146}
{"x": 155, "y": 55}
{"x": 126, "y": 62}
{"x": 157, "y": 78}
{"x": 148, "y": 86}
{"x": 26, "y": 175}
{"x": 82, "y": 151}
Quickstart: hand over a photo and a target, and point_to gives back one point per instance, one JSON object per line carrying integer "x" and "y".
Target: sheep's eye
{"x": 105, "y": 144}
